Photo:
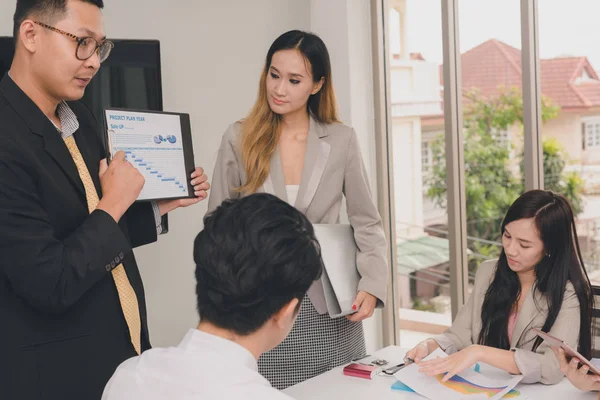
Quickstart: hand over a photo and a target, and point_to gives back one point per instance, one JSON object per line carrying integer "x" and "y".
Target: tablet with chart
{"x": 159, "y": 145}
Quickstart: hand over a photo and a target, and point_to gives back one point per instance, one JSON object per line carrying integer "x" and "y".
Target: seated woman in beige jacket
{"x": 539, "y": 281}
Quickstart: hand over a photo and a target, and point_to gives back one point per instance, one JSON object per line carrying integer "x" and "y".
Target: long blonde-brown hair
{"x": 262, "y": 127}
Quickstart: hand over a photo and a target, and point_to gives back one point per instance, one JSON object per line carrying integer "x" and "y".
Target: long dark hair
{"x": 561, "y": 263}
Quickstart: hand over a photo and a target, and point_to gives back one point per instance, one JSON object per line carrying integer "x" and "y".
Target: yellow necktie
{"x": 127, "y": 297}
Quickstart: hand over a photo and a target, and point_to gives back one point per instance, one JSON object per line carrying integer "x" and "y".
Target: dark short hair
{"x": 47, "y": 10}
{"x": 253, "y": 257}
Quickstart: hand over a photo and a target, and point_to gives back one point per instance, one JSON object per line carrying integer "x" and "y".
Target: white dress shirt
{"x": 203, "y": 366}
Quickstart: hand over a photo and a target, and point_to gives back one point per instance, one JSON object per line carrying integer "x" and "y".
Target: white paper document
{"x": 466, "y": 385}
{"x": 153, "y": 144}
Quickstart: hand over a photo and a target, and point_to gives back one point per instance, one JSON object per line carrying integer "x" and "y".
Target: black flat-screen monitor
{"x": 129, "y": 78}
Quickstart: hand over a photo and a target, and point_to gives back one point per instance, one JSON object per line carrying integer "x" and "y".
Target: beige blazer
{"x": 539, "y": 366}
{"x": 333, "y": 168}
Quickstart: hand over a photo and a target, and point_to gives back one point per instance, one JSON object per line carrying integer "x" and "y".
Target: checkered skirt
{"x": 316, "y": 344}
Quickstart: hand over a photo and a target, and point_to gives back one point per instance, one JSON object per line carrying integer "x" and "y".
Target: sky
{"x": 566, "y": 27}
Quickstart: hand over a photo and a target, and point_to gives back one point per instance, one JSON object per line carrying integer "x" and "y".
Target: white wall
{"x": 7, "y": 9}
{"x": 345, "y": 27}
{"x": 406, "y": 139}
{"x": 212, "y": 55}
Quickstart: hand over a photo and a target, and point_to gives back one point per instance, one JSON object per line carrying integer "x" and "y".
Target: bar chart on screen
{"x": 164, "y": 178}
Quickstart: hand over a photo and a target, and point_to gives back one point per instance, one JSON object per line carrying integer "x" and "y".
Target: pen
{"x": 394, "y": 369}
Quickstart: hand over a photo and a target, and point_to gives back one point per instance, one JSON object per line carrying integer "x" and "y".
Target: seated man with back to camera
{"x": 255, "y": 260}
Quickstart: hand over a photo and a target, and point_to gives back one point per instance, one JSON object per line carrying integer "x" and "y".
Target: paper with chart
{"x": 152, "y": 142}
{"x": 466, "y": 385}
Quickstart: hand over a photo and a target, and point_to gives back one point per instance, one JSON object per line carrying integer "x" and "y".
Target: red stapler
{"x": 359, "y": 370}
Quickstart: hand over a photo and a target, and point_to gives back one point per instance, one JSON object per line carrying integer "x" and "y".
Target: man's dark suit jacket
{"x": 62, "y": 331}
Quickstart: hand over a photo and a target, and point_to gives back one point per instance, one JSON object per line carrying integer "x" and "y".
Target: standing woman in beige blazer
{"x": 292, "y": 145}
{"x": 539, "y": 281}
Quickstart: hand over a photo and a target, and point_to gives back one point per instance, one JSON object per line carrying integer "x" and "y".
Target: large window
{"x": 426, "y": 158}
{"x": 417, "y": 138}
{"x": 490, "y": 59}
{"x": 570, "y": 88}
{"x": 591, "y": 134}
{"x": 481, "y": 55}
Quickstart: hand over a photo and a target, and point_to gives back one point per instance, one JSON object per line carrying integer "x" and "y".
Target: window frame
{"x": 456, "y": 208}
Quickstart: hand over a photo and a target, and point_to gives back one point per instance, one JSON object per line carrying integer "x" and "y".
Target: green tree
{"x": 556, "y": 179}
{"x": 492, "y": 183}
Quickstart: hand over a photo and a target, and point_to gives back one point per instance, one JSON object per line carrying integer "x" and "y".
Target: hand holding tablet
{"x": 557, "y": 343}
{"x": 159, "y": 145}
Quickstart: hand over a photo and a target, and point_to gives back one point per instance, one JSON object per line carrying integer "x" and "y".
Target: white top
{"x": 292, "y": 193}
{"x": 203, "y": 366}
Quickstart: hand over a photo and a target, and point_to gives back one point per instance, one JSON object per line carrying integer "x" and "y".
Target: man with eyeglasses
{"x": 72, "y": 304}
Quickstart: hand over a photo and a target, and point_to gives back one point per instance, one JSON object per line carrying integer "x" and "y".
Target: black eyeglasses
{"x": 86, "y": 46}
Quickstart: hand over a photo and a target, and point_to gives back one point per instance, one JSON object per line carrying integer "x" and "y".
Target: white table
{"x": 335, "y": 385}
